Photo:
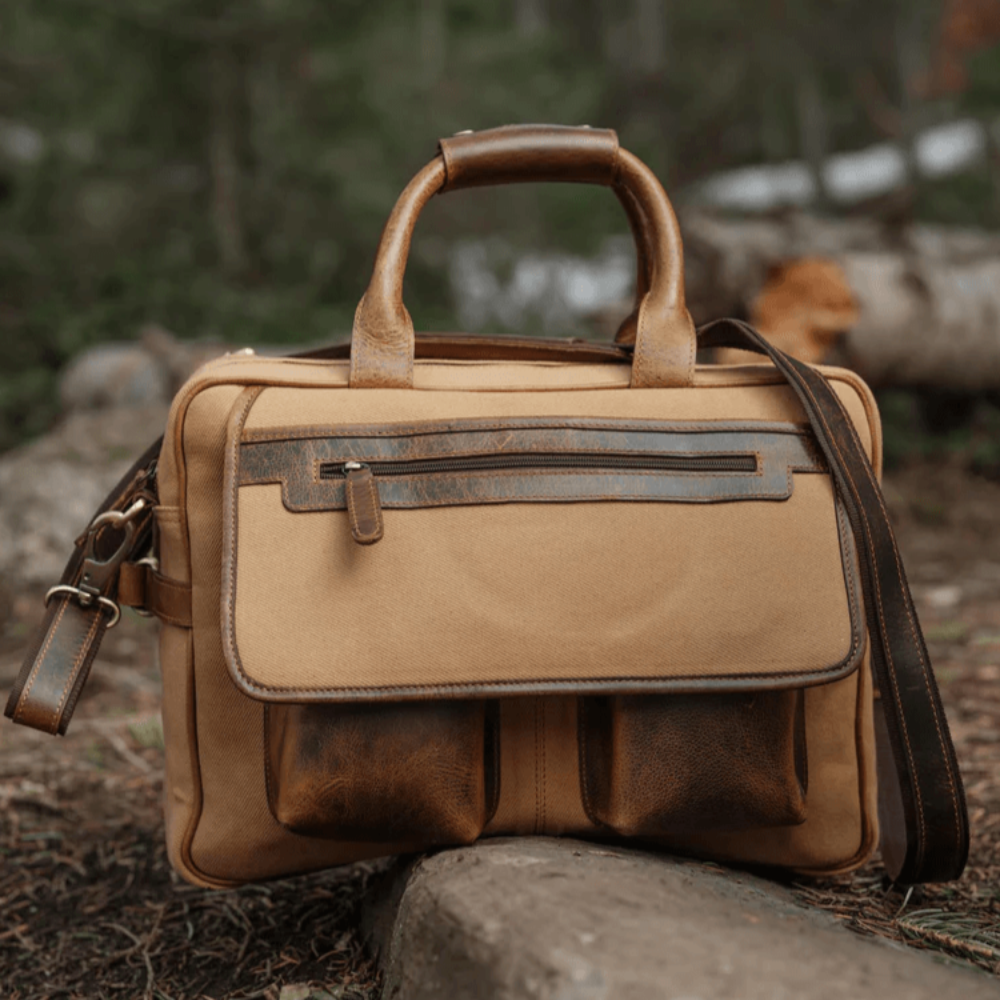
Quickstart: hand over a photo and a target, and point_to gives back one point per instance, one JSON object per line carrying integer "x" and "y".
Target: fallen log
{"x": 928, "y": 298}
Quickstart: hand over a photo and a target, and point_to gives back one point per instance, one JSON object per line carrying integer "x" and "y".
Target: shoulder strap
{"x": 82, "y": 606}
{"x": 925, "y": 831}
{"x": 925, "y": 835}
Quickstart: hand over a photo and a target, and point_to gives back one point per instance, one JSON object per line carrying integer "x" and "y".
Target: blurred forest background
{"x": 223, "y": 167}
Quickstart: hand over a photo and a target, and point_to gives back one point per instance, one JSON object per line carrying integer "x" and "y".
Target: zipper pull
{"x": 364, "y": 508}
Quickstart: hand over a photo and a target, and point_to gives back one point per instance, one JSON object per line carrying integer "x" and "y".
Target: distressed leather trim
{"x": 778, "y": 449}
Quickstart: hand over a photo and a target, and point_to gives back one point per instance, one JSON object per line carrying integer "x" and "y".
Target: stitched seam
{"x": 461, "y": 501}
{"x": 352, "y": 509}
{"x": 684, "y": 683}
{"x": 77, "y": 663}
{"x": 168, "y": 619}
{"x": 528, "y": 448}
{"x": 23, "y": 700}
{"x": 581, "y": 752}
{"x": 231, "y": 578}
{"x": 538, "y": 791}
{"x": 857, "y": 617}
{"x": 376, "y": 508}
{"x": 268, "y": 789}
{"x": 544, "y": 762}
{"x": 431, "y": 428}
{"x": 541, "y": 473}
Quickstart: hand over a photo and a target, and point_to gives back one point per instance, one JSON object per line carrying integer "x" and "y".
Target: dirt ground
{"x": 89, "y": 907}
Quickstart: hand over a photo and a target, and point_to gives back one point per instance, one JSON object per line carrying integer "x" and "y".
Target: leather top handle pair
{"x": 382, "y": 346}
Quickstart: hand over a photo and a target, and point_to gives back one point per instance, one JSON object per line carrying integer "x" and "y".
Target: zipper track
{"x": 559, "y": 460}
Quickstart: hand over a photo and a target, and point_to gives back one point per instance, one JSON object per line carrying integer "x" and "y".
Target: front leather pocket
{"x": 656, "y": 765}
{"x": 416, "y": 772}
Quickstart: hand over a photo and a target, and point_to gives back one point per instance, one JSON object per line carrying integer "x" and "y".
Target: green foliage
{"x": 935, "y": 424}
{"x": 224, "y": 167}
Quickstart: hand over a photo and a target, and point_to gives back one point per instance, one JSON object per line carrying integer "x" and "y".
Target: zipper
{"x": 364, "y": 505}
{"x": 560, "y": 460}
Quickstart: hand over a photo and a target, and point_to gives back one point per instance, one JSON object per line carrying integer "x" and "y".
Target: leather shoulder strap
{"x": 925, "y": 829}
{"x": 58, "y": 663}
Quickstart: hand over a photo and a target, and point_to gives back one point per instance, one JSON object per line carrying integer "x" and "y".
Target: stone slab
{"x": 547, "y": 919}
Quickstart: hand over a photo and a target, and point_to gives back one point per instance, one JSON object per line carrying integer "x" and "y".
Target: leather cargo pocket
{"x": 416, "y": 772}
{"x": 655, "y": 765}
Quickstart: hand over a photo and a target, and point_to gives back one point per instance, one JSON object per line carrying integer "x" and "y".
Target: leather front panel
{"x": 662, "y": 765}
{"x": 422, "y": 772}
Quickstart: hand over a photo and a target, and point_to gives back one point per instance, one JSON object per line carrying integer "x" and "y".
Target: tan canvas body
{"x": 543, "y": 609}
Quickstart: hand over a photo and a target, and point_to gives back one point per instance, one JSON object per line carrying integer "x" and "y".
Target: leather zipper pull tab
{"x": 364, "y": 507}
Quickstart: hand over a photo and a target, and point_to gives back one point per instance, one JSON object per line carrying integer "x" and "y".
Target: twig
{"x": 122, "y": 748}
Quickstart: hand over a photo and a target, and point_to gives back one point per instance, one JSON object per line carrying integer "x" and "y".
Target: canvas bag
{"x": 444, "y": 587}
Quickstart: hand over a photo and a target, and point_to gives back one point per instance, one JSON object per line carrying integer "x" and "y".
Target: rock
{"x": 50, "y": 488}
{"x": 543, "y": 919}
{"x": 135, "y": 374}
{"x": 944, "y": 598}
{"x": 307, "y": 992}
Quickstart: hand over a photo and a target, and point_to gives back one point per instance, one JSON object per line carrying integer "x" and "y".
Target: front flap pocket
{"x": 533, "y": 555}
{"x": 656, "y": 765}
{"x": 424, "y": 772}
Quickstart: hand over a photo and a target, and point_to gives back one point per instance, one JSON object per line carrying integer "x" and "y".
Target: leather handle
{"x": 518, "y": 153}
{"x": 382, "y": 346}
{"x": 551, "y": 153}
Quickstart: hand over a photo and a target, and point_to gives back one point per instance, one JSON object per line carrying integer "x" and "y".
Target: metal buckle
{"x": 87, "y": 595}
{"x": 154, "y": 564}
{"x": 87, "y": 600}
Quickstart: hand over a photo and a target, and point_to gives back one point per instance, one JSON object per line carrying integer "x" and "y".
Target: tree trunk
{"x": 223, "y": 158}
{"x": 813, "y": 130}
{"x": 650, "y": 50}
{"x": 433, "y": 37}
{"x": 928, "y": 299}
{"x": 531, "y": 17}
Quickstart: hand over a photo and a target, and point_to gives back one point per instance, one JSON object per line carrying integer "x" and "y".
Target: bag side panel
{"x": 229, "y": 835}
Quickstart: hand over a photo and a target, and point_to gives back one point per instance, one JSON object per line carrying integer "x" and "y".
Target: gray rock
{"x": 540, "y": 919}
{"x": 135, "y": 374}
{"x": 113, "y": 375}
{"x": 50, "y": 488}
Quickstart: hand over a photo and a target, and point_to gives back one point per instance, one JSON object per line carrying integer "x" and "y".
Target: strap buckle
{"x": 86, "y": 600}
{"x": 97, "y": 573}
